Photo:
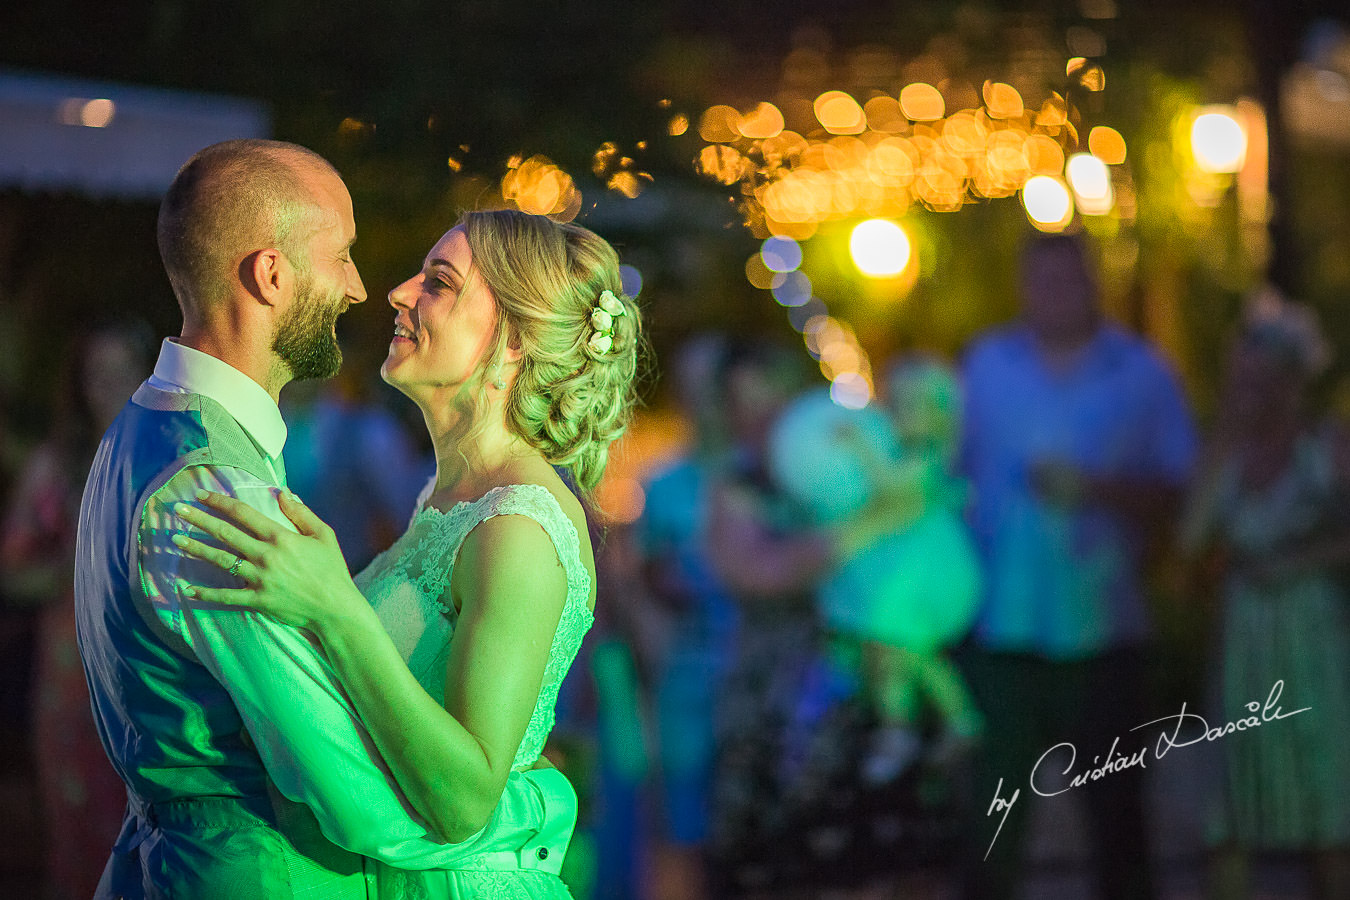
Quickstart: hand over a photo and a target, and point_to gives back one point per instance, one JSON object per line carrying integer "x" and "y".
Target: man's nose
{"x": 356, "y": 288}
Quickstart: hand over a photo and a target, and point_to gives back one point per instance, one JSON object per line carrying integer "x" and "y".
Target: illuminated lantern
{"x": 880, "y": 248}
{"x": 1047, "y": 202}
{"x": 1218, "y": 140}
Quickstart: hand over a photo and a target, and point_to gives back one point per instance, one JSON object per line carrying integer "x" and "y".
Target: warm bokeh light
{"x": 1053, "y": 113}
{"x": 537, "y": 186}
{"x": 892, "y": 162}
{"x": 722, "y": 163}
{"x": 96, "y": 113}
{"x": 1091, "y": 183}
{"x": 1106, "y": 144}
{"x": 830, "y": 159}
{"x": 604, "y": 158}
{"x": 351, "y": 127}
{"x": 620, "y": 499}
{"x": 764, "y": 121}
{"x": 781, "y": 254}
{"x": 922, "y": 102}
{"x": 850, "y": 390}
{"x": 1218, "y": 140}
{"x": 757, "y": 273}
{"x": 839, "y": 113}
{"x": 629, "y": 184}
{"x": 952, "y": 137}
{"x": 1047, "y": 202}
{"x": 880, "y": 248}
{"x": 679, "y": 124}
{"x": 720, "y": 124}
{"x": 884, "y": 115}
{"x": 1044, "y": 155}
{"x": 964, "y": 134}
{"x": 1002, "y": 100}
{"x": 1092, "y": 77}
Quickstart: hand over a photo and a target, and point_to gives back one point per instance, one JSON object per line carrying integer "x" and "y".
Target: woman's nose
{"x": 402, "y": 295}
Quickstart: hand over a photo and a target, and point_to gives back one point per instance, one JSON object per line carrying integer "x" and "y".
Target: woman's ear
{"x": 513, "y": 352}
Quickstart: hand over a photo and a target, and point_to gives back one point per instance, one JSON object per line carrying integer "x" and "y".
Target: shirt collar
{"x": 1098, "y": 350}
{"x": 195, "y": 372}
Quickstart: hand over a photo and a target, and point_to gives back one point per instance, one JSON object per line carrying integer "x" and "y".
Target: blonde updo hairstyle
{"x": 568, "y": 401}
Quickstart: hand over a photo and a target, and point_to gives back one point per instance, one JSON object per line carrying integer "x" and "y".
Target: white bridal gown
{"x": 409, "y": 587}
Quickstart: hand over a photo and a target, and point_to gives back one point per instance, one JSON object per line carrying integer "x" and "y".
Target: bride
{"x": 518, "y": 345}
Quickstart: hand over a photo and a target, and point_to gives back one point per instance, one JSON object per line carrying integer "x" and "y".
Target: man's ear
{"x": 267, "y": 275}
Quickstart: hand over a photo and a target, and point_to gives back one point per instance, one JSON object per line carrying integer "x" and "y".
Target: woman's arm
{"x": 453, "y": 762}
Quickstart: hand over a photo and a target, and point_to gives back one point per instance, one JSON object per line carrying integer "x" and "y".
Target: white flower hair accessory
{"x": 606, "y": 310}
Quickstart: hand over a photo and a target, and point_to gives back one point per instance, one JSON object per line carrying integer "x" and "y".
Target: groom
{"x": 248, "y": 773}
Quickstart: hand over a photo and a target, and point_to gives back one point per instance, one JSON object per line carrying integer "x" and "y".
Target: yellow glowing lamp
{"x": 880, "y": 248}
{"x": 1218, "y": 140}
{"x": 1091, "y": 183}
{"x": 1047, "y": 202}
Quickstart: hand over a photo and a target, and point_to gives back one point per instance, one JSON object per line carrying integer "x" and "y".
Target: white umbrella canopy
{"x": 103, "y": 139}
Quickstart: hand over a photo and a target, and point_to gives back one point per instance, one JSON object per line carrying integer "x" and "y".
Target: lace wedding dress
{"x": 409, "y": 587}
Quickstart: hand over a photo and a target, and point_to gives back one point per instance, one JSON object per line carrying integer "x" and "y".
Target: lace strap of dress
{"x": 538, "y": 503}
{"x": 532, "y": 500}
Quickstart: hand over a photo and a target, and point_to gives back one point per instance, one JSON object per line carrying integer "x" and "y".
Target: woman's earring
{"x": 499, "y": 382}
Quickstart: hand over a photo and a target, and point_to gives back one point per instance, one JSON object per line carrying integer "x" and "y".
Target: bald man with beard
{"x": 248, "y": 772}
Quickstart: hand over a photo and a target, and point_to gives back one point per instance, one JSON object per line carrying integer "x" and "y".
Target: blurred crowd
{"x": 843, "y": 649}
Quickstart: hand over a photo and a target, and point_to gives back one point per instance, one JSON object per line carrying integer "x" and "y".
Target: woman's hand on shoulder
{"x": 297, "y": 576}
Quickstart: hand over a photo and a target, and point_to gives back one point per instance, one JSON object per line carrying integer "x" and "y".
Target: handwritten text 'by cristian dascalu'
{"x": 1180, "y": 730}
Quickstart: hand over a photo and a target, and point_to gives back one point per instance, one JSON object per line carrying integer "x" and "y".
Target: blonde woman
{"x": 518, "y": 345}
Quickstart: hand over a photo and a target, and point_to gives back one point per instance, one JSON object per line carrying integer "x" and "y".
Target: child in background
{"x": 909, "y": 584}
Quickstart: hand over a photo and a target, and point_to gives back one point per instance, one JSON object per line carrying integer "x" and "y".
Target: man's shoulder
{"x": 196, "y": 429}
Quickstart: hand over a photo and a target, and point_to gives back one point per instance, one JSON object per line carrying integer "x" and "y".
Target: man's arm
{"x": 313, "y": 745}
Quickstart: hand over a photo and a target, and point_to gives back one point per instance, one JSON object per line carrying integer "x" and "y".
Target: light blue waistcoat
{"x": 203, "y": 818}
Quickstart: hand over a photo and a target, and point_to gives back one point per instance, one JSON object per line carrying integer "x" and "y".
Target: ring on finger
{"x": 234, "y": 566}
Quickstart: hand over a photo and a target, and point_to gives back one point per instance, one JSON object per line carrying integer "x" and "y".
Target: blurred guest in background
{"x": 1078, "y": 442}
{"x": 353, "y": 462}
{"x": 81, "y": 797}
{"x": 678, "y": 576}
{"x": 909, "y": 583}
{"x": 1266, "y": 500}
{"x": 770, "y": 562}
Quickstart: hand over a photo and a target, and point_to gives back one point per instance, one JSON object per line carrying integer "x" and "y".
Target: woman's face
{"x": 445, "y": 320}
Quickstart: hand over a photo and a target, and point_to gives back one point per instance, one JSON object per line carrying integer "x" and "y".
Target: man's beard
{"x": 304, "y": 339}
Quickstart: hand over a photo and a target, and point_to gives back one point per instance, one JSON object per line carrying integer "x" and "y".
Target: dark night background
{"x": 421, "y": 104}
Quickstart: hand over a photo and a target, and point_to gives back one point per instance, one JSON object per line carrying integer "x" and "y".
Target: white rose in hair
{"x": 610, "y": 303}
